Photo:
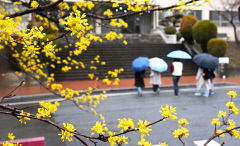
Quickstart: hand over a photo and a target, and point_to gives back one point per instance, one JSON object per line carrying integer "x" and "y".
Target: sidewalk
{"x": 124, "y": 83}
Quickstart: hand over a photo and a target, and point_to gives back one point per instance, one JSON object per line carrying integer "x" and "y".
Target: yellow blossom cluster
{"x": 99, "y": 128}
{"x": 114, "y": 140}
{"x": 24, "y": 117}
{"x": 181, "y": 132}
{"x": 47, "y": 108}
{"x": 168, "y": 112}
{"x": 115, "y": 73}
{"x": 83, "y": 5}
{"x": 125, "y": 124}
{"x": 113, "y": 35}
{"x": 69, "y": 93}
{"x": 231, "y": 106}
{"x": 6, "y": 143}
{"x": 222, "y": 114}
{"x": 34, "y": 4}
{"x": 8, "y": 28}
{"x": 144, "y": 128}
{"x": 11, "y": 137}
{"x": 114, "y": 22}
{"x": 56, "y": 86}
{"x": 215, "y": 121}
{"x": 182, "y": 122}
{"x": 220, "y": 131}
{"x": 108, "y": 13}
{"x": 68, "y": 132}
{"x": 143, "y": 142}
{"x": 232, "y": 94}
{"x": 233, "y": 132}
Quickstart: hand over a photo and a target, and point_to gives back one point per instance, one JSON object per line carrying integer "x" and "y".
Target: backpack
{"x": 208, "y": 74}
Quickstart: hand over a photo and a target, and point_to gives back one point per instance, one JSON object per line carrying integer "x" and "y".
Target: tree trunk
{"x": 204, "y": 47}
{"x": 235, "y": 32}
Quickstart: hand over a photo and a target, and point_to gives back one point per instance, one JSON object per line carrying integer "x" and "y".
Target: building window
{"x": 220, "y": 18}
{"x": 195, "y": 13}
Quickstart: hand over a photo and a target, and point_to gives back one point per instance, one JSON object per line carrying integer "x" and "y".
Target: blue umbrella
{"x": 158, "y": 64}
{"x": 140, "y": 63}
{"x": 179, "y": 54}
{"x": 206, "y": 60}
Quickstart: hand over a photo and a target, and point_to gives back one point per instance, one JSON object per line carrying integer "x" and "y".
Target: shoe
{"x": 197, "y": 94}
{"x": 158, "y": 91}
{"x": 140, "y": 94}
{"x": 212, "y": 92}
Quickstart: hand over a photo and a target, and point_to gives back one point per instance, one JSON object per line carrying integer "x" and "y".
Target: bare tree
{"x": 230, "y": 13}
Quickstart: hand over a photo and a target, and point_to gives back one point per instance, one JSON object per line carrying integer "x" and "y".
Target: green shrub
{"x": 217, "y": 47}
{"x": 170, "y": 30}
{"x": 203, "y": 31}
{"x": 179, "y": 36}
{"x": 186, "y": 28}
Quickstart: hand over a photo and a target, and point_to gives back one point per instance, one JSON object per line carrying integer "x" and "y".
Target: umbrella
{"x": 206, "y": 60}
{"x": 179, "y": 54}
{"x": 140, "y": 63}
{"x": 158, "y": 64}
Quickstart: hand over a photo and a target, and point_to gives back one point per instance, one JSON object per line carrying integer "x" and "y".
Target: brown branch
{"x": 10, "y": 93}
{"x": 181, "y": 141}
{"x": 16, "y": 113}
{"x": 31, "y": 10}
{"x": 138, "y": 12}
{"x": 217, "y": 135}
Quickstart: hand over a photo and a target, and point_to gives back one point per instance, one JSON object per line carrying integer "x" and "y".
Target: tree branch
{"x": 31, "y": 10}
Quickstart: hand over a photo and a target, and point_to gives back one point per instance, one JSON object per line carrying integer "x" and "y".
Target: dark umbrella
{"x": 206, "y": 60}
{"x": 140, "y": 63}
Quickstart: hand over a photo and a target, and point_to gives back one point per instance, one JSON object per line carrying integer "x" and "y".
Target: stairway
{"x": 118, "y": 56}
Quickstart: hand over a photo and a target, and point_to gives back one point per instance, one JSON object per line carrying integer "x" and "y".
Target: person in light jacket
{"x": 139, "y": 81}
{"x": 203, "y": 79}
{"x": 199, "y": 82}
{"x": 176, "y": 69}
{"x": 155, "y": 80}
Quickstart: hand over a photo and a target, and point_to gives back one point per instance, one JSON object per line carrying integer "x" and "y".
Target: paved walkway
{"x": 84, "y": 84}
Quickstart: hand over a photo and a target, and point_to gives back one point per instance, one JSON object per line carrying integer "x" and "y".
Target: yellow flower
{"x": 215, "y": 121}
{"x": 115, "y": 5}
{"x": 11, "y": 136}
{"x": 181, "y": 133}
{"x": 125, "y": 42}
{"x": 68, "y": 133}
{"x": 34, "y": 4}
{"x": 99, "y": 128}
{"x": 220, "y": 131}
{"x": 125, "y": 124}
{"x": 232, "y": 94}
{"x": 222, "y": 114}
{"x": 143, "y": 127}
{"x": 24, "y": 117}
{"x": 231, "y": 106}
{"x": 108, "y": 13}
{"x": 182, "y": 122}
{"x": 168, "y": 112}
{"x": 143, "y": 142}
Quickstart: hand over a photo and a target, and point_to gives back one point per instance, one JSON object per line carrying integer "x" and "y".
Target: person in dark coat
{"x": 139, "y": 81}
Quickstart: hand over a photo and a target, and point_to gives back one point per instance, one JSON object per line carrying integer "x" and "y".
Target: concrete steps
{"x": 118, "y": 56}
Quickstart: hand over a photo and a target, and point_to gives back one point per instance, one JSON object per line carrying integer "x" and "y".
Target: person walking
{"x": 155, "y": 80}
{"x": 203, "y": 79}
{"x": 199, "y": 82}
{"x": 212, "y": 76}
{"x": 139, "y": 81}
{"x": 176, "y": 69}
